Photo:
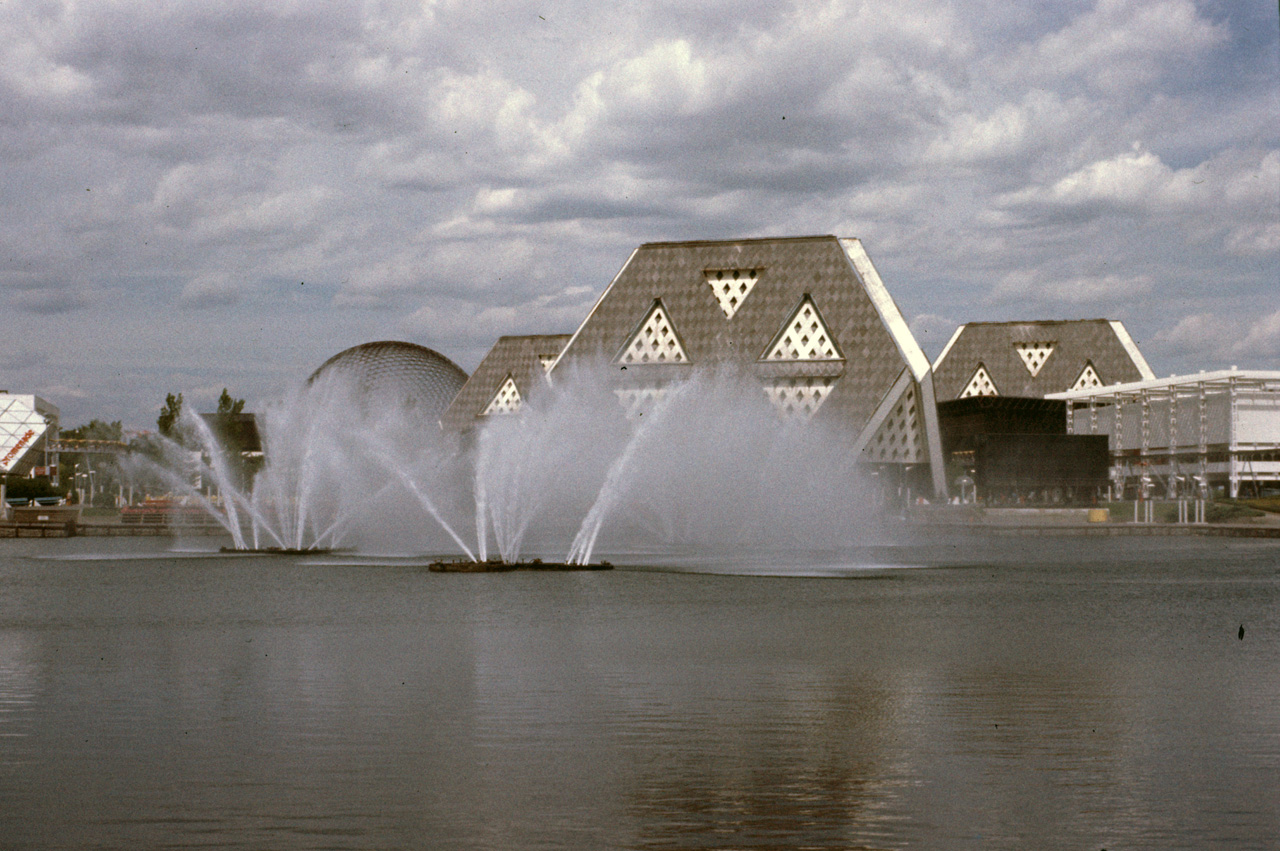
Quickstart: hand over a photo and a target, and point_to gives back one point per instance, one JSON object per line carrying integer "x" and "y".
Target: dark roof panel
{"x": 785, "y": 271}
{"x": 523, "y": 358}
{"x": 1075, "y": 345}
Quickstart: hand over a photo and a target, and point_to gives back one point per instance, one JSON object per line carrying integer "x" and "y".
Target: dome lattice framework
{"x": 390, "y": 373}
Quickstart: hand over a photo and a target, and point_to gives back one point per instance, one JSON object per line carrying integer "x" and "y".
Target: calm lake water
{"x": 1080, "y": 694}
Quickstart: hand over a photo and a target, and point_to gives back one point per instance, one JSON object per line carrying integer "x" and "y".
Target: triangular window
{"x": 799, "y": 398}
{"x": 731, "y": 286}
{"x": 506, "y": 401}
{"x": 1088, "y": 378}
{"x": 980, "y": 385}
{"x": 655, "y": 341}
{"x": 900, "y": 438}
{"x": 1034, "y": 355}
{"x": 804, "y": 337}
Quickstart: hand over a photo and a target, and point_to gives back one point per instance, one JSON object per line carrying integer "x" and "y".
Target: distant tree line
{"x": 110, "y": 476}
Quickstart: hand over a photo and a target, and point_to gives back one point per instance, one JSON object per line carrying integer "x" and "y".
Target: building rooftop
{"x": 1036, "y": 358}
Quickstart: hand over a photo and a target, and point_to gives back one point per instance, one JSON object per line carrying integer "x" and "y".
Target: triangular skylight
{"x": 804, "y": 337}
{"x": 655, "y": 341}
{"x": 731, "y": 287}
{"x": 506, "y": 401}
{"x": 799, "y": 398}
{"x": 1088, "y": 379}
{"x": 1034, "y": 355}
{"x": 980, "y": 385}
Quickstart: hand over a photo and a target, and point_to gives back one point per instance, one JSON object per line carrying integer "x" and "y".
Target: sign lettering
{"x": 9, "y": 456}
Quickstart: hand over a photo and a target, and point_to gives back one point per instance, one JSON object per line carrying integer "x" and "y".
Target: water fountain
{"x": 709, "y": 465}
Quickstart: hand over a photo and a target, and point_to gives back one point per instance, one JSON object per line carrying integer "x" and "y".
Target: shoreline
{"x": 999, "y": 523}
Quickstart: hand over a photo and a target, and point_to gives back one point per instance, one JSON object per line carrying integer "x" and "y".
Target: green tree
{"x": 169, "y": 414}
{"x": 81, "y": 458}
{"x": 227, "y": 405}
{"x": 95, "y": 430}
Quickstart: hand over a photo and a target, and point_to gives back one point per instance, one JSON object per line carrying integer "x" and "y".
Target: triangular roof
{"x": 835, "y": 274}
{"x": 523, "y": 359}
{"x": 1009, "y": 351}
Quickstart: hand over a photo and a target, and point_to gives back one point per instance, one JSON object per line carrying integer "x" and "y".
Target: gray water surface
{"x": 1081, "y": 694}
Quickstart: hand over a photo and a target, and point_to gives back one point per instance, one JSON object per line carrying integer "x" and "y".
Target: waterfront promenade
{"x": 1025, "y": 522}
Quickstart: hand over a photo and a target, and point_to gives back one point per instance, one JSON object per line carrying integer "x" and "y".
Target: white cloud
{"x": 665, "y": 80}
{"x": 1217, "y": 340}
{"x": 1039, "y": 285}
{"x": 554, "y": 312}
{"x": 1231, "y": 199}
{"x": 473, "y": 160}
{"x": 1263, "y": 338}
{"x": 1121, "y": 45}
{"x": 215, "y": 289}
{"x": 1254, "y": 240}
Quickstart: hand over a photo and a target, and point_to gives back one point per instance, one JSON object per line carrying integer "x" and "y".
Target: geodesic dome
{"x": 390, "y": 373}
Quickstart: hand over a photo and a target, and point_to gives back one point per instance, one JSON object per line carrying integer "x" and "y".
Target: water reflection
{"x": 19, "y": 687}
{"x": 798, "y": 758}
{"x": 250, "y": 702}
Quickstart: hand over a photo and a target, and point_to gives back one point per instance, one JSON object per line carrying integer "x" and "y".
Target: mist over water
{"x": 707, "y": 465}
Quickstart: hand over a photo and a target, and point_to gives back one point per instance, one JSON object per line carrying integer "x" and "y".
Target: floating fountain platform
{"x": 499, "y": 566}
{"x": 281, "y": 551}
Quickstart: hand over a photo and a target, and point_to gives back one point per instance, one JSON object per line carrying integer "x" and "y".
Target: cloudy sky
{"x": 207, "y": 194}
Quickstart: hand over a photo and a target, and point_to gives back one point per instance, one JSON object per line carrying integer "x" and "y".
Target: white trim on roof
{"x": 583, "y": 324}
{"x": 881, "y": 413}
{"x": 947, "y": 348}
{"x": 1254, "y": 376}
{"x": 1132, "y": 348}
{"x": 933, "y": 435}
{"x": 884, "y": 304}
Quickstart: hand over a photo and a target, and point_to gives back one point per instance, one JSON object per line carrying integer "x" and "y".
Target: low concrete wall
{"x": 27, "y": 515}
{"x": 1036, "y": 516}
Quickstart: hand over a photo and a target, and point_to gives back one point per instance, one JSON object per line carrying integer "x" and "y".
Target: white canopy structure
{"x": 1218, "y": 429}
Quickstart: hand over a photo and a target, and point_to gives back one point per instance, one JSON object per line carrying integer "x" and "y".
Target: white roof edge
{"x": 41, "y": 405}
{"x": 947, "y": 348}
{"x": 594, "y": 308}
{"x": 885, "y": 306}
{"x": 1132, "y": 348}
{"x": 1190, "y": 379}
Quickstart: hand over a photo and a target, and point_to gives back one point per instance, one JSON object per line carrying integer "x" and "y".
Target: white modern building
{"x": 27, "y": 426}
{"x": 1171, "y": 436}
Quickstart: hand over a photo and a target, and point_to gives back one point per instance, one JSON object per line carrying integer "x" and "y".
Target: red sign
{"x": 13, "y": 453}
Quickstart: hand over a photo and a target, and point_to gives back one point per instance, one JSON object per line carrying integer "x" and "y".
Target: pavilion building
{"x": 807, "y": 318}
{"x": 513, "y": 371}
